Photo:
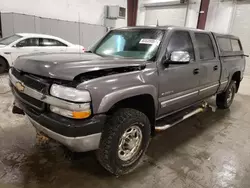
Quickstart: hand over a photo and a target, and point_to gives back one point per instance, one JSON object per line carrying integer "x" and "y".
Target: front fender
{"x": 6, "y": 57}
{"x": 111, "y": 99}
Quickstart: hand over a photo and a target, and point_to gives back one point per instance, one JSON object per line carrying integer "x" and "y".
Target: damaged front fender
{"x": 109, "y": 89}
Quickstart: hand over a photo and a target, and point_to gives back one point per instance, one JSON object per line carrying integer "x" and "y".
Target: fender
{"x": 236, "y": 69}
{"x": 111, "y": 99}
{"x": 7, "y": 58}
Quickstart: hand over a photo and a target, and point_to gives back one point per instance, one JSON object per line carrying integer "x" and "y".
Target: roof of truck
{"x": 168, "y": 27}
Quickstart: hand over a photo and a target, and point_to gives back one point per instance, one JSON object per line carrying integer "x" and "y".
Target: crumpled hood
{"x": 67, "y": 66}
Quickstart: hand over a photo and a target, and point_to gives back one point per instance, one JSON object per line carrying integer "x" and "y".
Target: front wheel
{"x": 3, "y": 65}
{"x": 124, "y": 141}
{"x": 225, "y": 99}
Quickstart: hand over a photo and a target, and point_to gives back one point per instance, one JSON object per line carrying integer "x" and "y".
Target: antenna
{"x": 157, "y": 22}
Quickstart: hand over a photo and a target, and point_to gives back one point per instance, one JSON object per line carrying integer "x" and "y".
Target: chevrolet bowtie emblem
{"x": 19, "y": 86}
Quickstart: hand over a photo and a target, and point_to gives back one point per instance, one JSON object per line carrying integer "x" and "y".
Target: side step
{"x": 181, "y": 116}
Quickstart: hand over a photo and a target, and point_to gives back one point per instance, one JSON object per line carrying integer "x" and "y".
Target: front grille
{"x": 32, "y": 81}
{"x": 26, "y": 99}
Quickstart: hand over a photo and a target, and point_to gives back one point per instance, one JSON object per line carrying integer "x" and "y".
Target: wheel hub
{"x": 130, "y": 143}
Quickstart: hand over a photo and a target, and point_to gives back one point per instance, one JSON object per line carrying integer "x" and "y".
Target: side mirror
{"x": 179, "y": 57}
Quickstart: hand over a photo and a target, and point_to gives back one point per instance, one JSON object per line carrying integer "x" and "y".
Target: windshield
{"x": 134, "y": 43}
{"x": 10, "y": 39}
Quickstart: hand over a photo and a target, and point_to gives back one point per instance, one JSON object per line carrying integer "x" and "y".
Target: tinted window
{"x": 28, "y": 42}
{"x": 50, "y": 42}
{"x": 236, "y": 45}
{"x": 225, "y": 44}
{"x": 181, "y": 41}
{"x": 205, "y": 46}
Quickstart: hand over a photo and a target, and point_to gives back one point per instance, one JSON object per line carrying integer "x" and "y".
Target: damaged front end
{"x": 106, "y": 72}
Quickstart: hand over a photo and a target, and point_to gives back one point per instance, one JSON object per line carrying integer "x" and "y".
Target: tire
{"x": 225, "y": 99}
{"x": 3, "y": 65}
{"x": 124, "y": 123}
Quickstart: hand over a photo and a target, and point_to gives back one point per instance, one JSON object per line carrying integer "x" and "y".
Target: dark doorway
{"x": 203, "y": 14}
{"x": 132, "y": 12}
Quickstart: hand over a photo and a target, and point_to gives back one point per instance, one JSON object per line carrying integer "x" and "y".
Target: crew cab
{"x": 113, "y": 98}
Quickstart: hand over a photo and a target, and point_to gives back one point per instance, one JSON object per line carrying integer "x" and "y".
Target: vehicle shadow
{"x": 56, "y": 166}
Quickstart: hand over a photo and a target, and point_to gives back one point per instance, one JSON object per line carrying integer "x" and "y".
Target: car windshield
{"x": 132, "y": 43}
{"x": 10, "y": 39}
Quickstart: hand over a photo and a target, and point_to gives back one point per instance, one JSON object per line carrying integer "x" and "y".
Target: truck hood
{"x": 69, "y": 65}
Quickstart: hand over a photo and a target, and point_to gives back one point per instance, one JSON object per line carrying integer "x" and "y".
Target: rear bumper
{"x": 78, "y": 144}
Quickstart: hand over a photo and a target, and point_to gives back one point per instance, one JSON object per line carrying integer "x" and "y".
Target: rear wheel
{"x": 124, "y": 141}
{"x": 225, "y": 99}
{"x": 3, "y": 65}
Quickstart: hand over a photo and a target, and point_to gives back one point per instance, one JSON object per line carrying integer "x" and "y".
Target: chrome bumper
{"x": 78, "y": 144}
{"x": 46, "y": 98}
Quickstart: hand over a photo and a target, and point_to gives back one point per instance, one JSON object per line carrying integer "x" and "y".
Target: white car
{"x": 25, "y": 43}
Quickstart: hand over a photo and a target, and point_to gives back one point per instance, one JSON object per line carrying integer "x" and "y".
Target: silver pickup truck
{"x": 111, "y": 98}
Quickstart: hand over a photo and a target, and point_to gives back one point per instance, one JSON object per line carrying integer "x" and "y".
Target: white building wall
{"x": 87, "y": 11}
{"x": 192, "y": 13}
{"x": 219, "y": 16}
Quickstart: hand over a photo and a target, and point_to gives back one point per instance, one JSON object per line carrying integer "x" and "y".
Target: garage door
{"x": 166, "y": 15}
{"x": 241, "y": 27}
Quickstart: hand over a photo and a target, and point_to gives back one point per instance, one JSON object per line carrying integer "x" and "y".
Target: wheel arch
{"x": 6, "y": 61}
{"x": 236, "y": 76}
{"x": 143, "y": 103}
{"x": 142, "y": 98}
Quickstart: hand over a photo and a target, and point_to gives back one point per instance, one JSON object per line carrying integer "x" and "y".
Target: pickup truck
{"x": 112, "y": 98}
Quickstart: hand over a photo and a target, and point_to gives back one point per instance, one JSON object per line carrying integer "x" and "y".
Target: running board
{"x": 182, "y": 118}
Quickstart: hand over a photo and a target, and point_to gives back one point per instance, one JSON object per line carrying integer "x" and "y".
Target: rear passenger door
{"x": 210, "y": 67}
{"x": 51, "y": 45}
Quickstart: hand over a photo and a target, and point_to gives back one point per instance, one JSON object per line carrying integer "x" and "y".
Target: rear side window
{"x": 236, "y": 45}
{"x": 225, "y": 44}
{"x": 229, "y": 45}
{"x": 50, "y": 42}
{"x": 205, "y": 46}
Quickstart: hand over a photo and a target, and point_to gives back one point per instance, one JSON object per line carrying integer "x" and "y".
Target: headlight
{"x": 84, "y": 113}
{"x": 70, "y": 94}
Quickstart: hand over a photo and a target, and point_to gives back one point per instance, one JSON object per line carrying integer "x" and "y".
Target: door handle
{"x": 215, "y": 67}
{"x": 196, "y": 71}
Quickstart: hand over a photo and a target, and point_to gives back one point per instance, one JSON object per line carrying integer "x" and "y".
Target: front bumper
{"x": 78, "y": 135}
{"x": 78, "y": 144}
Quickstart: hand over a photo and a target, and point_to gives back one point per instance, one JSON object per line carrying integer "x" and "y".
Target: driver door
{"x": 178, "y": 82}
{"x": 24, "y": 47}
